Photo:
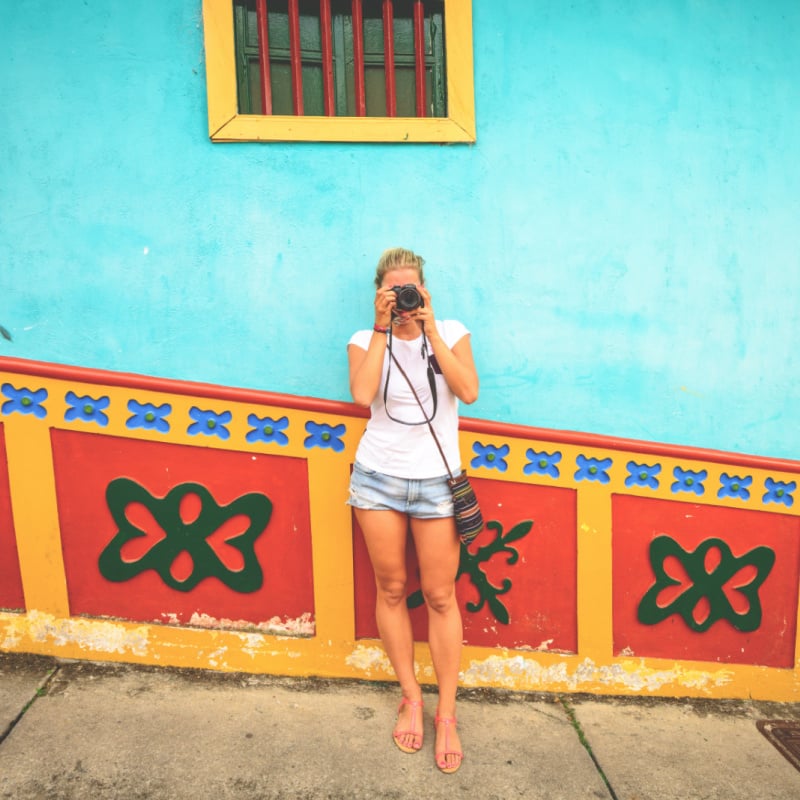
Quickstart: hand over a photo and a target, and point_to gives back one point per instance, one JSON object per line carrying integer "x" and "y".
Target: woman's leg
{"x": 438, "y": 554}
{"x": 385, "y": 536}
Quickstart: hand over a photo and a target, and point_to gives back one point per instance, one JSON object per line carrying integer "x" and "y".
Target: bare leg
{"x": 438, "y": 553}
{"x": 385, "y": 536}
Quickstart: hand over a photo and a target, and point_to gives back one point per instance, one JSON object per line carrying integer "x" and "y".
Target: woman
{"x": 400, "y": 480}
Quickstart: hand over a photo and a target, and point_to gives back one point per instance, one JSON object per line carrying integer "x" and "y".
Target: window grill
{"x": 356, "y": 58}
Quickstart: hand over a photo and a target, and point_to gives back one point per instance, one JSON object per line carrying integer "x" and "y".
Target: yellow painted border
{"x": 225, "y": 124}
{"x": 47, "y": 626}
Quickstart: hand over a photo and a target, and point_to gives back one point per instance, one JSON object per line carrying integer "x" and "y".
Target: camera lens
{"x": 408, "y": 298}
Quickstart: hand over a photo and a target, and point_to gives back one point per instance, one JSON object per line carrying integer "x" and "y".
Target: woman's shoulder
{"x": 361, "y": 339}
{"x": 451, "y": 330}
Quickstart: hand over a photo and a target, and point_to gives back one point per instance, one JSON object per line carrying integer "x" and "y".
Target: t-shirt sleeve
{"x": 361, "y": 339}
{"x": 453, "y": 331}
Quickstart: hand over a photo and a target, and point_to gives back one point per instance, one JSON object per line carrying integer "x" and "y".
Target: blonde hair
{"x": 398, "y": 258}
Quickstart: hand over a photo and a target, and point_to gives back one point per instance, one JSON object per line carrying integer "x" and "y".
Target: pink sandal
{"x": 441, "y": 758}
{"x": 397, "y": 735}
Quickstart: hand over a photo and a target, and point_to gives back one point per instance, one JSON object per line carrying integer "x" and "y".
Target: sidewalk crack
{"x": 570, "y": 712}
{"x": 41, "y": 690}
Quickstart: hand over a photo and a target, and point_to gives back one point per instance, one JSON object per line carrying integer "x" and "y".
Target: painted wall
{"x": 189, "y": 525}
{"x": 622, "y": 238}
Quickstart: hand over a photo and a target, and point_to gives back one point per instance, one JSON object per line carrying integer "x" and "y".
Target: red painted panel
{"x": 541, "y": 604}
{"x": 283, "y": 550}
{"x": 11, "y": 596}
{"x": 638, "y": 521}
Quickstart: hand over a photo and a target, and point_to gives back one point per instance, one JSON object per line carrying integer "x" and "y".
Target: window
{"x": 339, "y": 70}
{"x": 345, "y": 58}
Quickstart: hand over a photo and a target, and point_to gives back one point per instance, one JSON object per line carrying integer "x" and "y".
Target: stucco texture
{"x": 621, "y": 240}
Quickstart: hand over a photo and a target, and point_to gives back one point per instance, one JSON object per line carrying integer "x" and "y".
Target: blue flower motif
{"x": 592, "y": 469}
{"x": 24, "y": 401}
{"x": 687, "y": 480}
{"x": 642, "y": 475}
{"x": 322, "y": 435}
{"x": 86, "y": 408}
{"x": 490, "y": 456}
{"x": 148, "y": 416}
{"x": 268, "y": 429}
{"x": 542, "y": 463}
{"x": 209, "y": 423}
{"x": 779, "y": 492}
{"x": 734, "y": 486}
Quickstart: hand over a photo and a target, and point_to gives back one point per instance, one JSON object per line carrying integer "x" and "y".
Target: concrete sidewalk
{"x": 108, "y": 731}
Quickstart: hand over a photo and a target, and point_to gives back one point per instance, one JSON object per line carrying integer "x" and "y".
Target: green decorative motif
{"x": 710, "y": 586}
{"x": 470, "y": 564}
{"x": 180, "y": 536}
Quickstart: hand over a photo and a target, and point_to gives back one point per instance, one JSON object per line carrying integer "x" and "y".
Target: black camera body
{"x": 408, "y": 297}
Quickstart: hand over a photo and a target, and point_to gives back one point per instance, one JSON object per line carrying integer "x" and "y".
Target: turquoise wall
{"x": 622, "y": 239}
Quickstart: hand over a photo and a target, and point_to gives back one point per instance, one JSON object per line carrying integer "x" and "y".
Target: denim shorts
{"x": 428, "y": 498}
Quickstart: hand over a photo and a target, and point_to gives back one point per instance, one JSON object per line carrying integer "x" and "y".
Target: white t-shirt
{"x": 409, "y": 451}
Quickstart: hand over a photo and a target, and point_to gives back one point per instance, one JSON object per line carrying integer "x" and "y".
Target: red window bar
{"x": 327, "y": 57}
{"x": 358, "y": 58}
{"x": 419, "y": 56}
{"x": 263, "y": 57}
{"x": 388, "y": 57}
{"x": 296, "y": 57}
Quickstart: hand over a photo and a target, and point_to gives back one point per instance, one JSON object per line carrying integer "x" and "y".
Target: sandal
{"x": 397, "y": 735}
{"x": 441, "y": 758}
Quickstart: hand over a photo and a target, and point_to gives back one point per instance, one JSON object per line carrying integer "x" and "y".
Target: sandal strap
{"x": 441, "y": 757}
{"x": 415, "y": 704}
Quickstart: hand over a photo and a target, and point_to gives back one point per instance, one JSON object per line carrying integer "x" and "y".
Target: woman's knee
{"x": 392, "y": 592}
{"x": 440, "y": 599}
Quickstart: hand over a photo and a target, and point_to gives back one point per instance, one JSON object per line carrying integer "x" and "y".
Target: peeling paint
{"x": 518, "y": 672}
{"x": 101, "y": 636}
{"x": 12, "y": 639}
{"x": 368, "y": 659}
{"x": 256, "y": 646}
{"x": 303, "y": 625}
{"x": 214, "y": 657}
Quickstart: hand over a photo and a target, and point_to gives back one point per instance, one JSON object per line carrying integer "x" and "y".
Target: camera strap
{"x": 421, "y": 407}
{"x": 431, "y": 382}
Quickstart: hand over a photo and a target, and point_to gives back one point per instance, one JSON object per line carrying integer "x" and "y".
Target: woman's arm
{"x": 366, "y": 366}
{"x": 457, "y": 363}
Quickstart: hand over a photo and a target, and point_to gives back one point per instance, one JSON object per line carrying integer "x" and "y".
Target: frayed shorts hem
{"x": 425, "y": 498}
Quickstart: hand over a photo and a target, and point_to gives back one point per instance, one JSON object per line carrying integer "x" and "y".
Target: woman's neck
{"x": 407, "y": 330}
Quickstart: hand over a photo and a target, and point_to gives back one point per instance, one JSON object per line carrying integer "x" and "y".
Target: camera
{"x": 408, "y": 297}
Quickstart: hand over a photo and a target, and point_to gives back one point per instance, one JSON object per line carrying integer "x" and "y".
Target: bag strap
{"x": 422, "y": 409}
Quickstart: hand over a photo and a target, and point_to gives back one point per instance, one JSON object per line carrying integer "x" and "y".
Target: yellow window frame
{"x": 226, "y": 124}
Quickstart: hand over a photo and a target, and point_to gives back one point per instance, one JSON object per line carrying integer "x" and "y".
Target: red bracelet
{"x": 378, "y": 329}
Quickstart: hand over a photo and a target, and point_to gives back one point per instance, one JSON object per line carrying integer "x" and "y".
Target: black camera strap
{"x": 422, "y": 408}
{"x": 431, "y": 382}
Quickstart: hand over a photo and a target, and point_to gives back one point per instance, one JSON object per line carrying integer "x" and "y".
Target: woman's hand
{"x": 424, "y": 313}
{"x": 385, "y": 301}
